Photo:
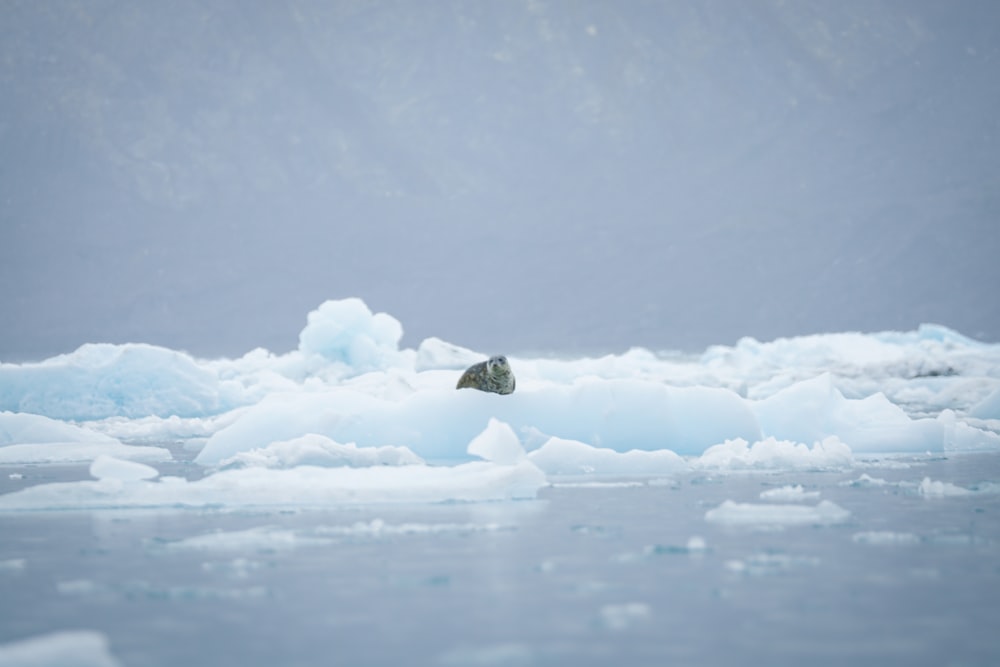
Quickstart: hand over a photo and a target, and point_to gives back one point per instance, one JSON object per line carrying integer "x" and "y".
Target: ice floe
{"x": 752, "y": 514}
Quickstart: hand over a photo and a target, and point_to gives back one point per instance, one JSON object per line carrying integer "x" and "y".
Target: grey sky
{"x": 511, "y": 176}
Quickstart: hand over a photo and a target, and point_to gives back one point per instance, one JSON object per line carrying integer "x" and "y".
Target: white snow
{"x": 750, "y": 514}
{"x": 76, "y": 648}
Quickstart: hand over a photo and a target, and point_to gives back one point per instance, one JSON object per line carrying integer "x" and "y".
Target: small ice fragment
{"x": 932, "y": 489}
{"x": 789, "y": 494}
{"x": 622, "y": 616}
{"x": 884, "y": 537}
{"x": 80, "y": 648}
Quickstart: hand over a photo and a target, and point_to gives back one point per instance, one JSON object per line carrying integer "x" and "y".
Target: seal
{"x": 493, "y": 375}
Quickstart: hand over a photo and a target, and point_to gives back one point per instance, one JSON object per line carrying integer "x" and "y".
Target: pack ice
{"x": 349, "y": 416}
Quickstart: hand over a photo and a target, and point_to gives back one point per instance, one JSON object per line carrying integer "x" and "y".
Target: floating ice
{"x": 929, "y": 488}
{"x": 306, "y": 486}
{"x": 771, "y": 454}
{"x": 101, "y": 380}
{"x": 108, "y": 467}
{"x": 28, "y": 438}
{"x": 884, "y": 537}
{"x": 750, "y": 514}
{"x": 318, "y": 450}
{"x": 80, "y": 648}
{"x": 789, "y": 494}
{"x": 813, "y": 410}
{"x": 438, "y": 424}
{"x": 622, "y": 616}
{"x": 26, "y": 429}
{"x": 261, "y": 539}
{"x": 814, "y": 403}
{"x": 12, "y": 565}
{"x": 569, "y": 457}
{"x": 769, "y": 564}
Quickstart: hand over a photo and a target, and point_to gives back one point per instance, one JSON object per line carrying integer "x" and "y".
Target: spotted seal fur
{"x": 493, "y": 375}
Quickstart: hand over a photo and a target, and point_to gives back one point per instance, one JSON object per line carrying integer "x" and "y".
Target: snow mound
{"x": 79, "y": 648}
{"x": 750, "y": 514}
{"x": 304, "y": 486}
{"x": 317, "y": 450}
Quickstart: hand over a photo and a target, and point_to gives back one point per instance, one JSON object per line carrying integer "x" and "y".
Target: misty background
{"x": 574, "y": 176}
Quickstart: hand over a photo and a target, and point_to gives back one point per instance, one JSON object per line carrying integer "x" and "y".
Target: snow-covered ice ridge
{"x": 349, "y": 399}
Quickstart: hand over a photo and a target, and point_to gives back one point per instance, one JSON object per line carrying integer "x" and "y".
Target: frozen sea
{"x": 829, "y": 499}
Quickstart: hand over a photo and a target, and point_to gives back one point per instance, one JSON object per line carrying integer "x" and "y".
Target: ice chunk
{"x": 261, "y": 539}
{"x": 101, "y": 380}
{"x": 959, "y": 436}
{"x": 933, "y": 489}
{"x": 772, "y": 454}
{"x": 304, "y": 486}
{"x": 988, "y": 408}
{"x": 569, "y": 457}
{"x": 750, "y": 514}
{"x": 39, "y": 439}
{"x": 27, "y": 429}
{"x": 434, "y": 353}
{"x": 813, "y": 410}
{"x": 318, "y": 450}
{"x": 498, "y": 443}
{"x": 789, "y": 494}
{"x": 108, "y": 467}
{"x": 79, "y": 648}
{"x": 346, "y": 331}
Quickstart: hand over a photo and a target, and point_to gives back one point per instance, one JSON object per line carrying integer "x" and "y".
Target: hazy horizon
{"x": 562, "y": 177}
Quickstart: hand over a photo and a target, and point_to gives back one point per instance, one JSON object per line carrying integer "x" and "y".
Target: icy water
{"x": 591, "y": 573}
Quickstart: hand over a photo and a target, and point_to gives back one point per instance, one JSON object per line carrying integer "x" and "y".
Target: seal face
{"x": 493, "y": 375}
